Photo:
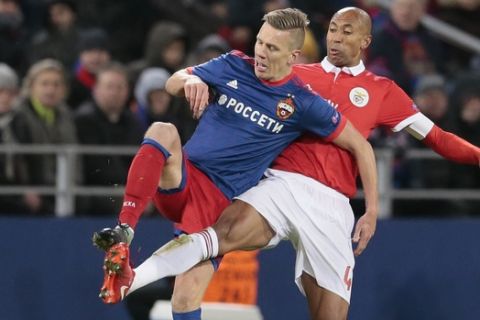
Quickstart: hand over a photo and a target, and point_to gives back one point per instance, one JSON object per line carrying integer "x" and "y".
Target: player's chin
{"x": 336, "y": 59}
{"x": 261, "y": 75}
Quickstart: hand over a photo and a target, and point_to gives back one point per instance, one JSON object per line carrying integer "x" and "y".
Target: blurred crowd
{"x": 94, "y": 72}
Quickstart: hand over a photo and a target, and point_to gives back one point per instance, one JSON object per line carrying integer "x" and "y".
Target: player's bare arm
{"x": 351, "y": 140}
{"x": 182, "y": 83}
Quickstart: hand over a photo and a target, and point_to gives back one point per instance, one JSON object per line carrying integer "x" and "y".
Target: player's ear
{"x": 294, "y": 56}
{"x": 366, "y": 42}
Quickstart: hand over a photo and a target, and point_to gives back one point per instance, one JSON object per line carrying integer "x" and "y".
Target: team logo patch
{"x": 359, "y": 97}
{"x": 335, "y": 118}
{"x": 285, "y": 108}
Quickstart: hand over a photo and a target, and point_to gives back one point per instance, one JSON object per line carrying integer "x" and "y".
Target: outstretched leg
{"x": 240, "y": 227}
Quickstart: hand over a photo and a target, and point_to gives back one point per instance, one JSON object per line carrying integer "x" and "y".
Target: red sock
{"x": 142, "y": 182}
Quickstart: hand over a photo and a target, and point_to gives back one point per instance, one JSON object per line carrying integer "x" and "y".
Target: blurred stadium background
{"x": 423, "y": 262}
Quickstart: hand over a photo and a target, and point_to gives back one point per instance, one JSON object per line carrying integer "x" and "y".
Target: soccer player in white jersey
{"x": 304, "y": 199}
{"x": 258, "y": 107}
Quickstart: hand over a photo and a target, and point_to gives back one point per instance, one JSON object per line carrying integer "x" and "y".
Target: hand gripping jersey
{"x": 368, "y": 101}
{"x": 250, "y": 121}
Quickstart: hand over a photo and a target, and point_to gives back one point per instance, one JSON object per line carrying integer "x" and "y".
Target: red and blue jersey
{"x": 250, "y": 121}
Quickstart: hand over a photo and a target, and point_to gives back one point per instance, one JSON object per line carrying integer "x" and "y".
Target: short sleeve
{"x": 209, "y": 71}
{"x": 396, "y": 109}
{"x": 321, "y": 118}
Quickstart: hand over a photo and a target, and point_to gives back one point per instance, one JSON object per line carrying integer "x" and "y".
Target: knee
{"x": 225, "y": 230}
{"x": 164, "y": 133}
{"x": 182, "y": 303}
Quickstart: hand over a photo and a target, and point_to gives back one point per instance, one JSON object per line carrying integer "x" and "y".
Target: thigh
{"x": 323, "y": 304}
{"x": 274, "y": 202}
{"x": 195, "y": 205}
{"x": 241, "y": 227}
{"x": 190, "y": 287}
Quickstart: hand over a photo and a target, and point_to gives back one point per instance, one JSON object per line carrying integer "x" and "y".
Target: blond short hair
{"x": 289, "y": 19}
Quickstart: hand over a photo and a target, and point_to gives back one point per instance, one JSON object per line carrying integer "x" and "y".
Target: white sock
{"x": 176, "y": 257}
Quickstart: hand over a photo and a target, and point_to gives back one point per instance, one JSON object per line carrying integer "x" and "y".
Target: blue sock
{"x": 191, "y": 315}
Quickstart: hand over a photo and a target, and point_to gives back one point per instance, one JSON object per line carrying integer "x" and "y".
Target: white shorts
{"x": 316, "y": 219}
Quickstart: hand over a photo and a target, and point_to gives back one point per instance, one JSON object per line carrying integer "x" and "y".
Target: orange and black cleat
{"x": 118, "y": 274}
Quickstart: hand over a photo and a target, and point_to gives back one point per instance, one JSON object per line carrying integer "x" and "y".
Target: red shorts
{"x": 197, "y": 204}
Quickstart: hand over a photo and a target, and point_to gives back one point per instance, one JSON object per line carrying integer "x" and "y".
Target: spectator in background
{"x": 469, "y": 117}
{"x": 13, "y": 35}
{"x": 431, "y": 98}
{"x": 106, "y": 120}
{"x": 12, "y": 167}
{"x": 241, "y": 28}
{"x": 469, "y": 128}
{"x": 152, "y": 102}
{"x": 48, "y": 121}
{"x": 126, "y": 23}
{"x": 166, "y": 47}
{"x": 466, "y": 101}
{"x": 403, "y": 50}
{"x": 59, "y": 40}
{"x": 462, "y": 14}
{"x": 94, "y": 54}
{"x": 192, "y": 14}
{"x": 208, "y": 48}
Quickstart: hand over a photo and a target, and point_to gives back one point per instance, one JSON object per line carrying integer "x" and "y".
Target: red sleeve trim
{"x": 338, "y": 130}
{"x": 452, "y": 147}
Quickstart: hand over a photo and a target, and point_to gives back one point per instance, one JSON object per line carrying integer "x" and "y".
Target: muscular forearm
{"x": 176, "y": 83}
{"x": 366, "y": 224}
{"x": 368, "y": 174}
{"x": 182, "y": 83}
{"x": 452, "y": 147}
{"x": 351, "y": 140}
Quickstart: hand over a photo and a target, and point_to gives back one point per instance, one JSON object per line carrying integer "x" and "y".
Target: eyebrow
{"x": 267, "y": 43}
{"x": 347, "y": 25}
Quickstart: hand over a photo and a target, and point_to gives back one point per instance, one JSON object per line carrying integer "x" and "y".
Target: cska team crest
{"x": 285, "y": 108}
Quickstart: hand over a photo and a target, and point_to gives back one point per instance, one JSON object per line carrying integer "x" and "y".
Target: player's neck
{"x": 280, "y": 79}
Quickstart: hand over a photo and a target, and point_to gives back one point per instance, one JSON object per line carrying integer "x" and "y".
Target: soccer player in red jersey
{"x": 305, "y": 197}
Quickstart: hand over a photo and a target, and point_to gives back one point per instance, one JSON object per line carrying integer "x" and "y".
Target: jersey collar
{"x": 278, "y": 82}
{"x": 354, "y": 71}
